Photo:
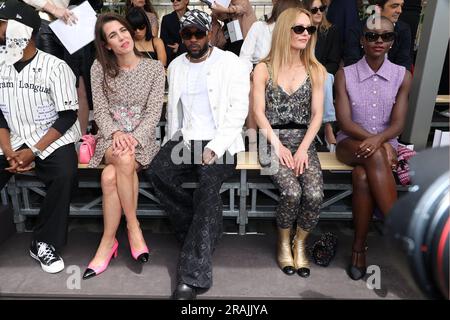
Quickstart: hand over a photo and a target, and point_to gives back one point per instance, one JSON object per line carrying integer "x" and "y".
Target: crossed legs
{"x": 120, "y": 187}
{"x": 373, "y": 184}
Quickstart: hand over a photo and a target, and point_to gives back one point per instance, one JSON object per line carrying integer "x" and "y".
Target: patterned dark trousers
{"x": 300, "y": 197}
{"x": 196, "y": 217}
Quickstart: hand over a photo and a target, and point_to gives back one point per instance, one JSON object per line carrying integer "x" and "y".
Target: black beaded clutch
{"x": 324, "y": 249}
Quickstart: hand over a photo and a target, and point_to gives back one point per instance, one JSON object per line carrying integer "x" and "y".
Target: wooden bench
{"x": 443, "y": 99}
{"x": 337, "y": 181}
{"x": 22, "y": 187}
{"x": 328, "y": 161}
{"x": 26, "y": 193}
{"x": 341, "y": 186}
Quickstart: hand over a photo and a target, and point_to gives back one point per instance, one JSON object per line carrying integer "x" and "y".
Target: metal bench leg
{"x": 13, "y": 191}
{"x": 243, "y": 191}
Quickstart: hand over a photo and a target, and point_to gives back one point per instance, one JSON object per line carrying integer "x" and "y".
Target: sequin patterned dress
{"x": 300, "y": 197}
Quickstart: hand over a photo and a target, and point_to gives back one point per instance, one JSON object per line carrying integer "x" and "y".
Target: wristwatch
{"x": 36, "y": 151}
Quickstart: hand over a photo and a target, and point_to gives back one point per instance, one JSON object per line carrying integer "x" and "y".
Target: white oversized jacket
{"x": 228, "y": 85}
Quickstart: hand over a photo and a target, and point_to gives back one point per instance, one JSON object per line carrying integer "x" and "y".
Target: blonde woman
{"x": 255, "y": 48}
{"x": 288, "y": 96}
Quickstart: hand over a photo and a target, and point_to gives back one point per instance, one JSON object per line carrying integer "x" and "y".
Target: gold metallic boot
{"x": 285, "y": 259}
{"x": 301, "y": 262}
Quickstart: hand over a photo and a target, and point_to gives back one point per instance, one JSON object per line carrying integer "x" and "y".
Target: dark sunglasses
{"x": 301, "y": 29}
{"x": 175, "y": 0}
{"x": 187, "y": 35}
{"x": 142, "y": 27}
{"x": 315, "y": 9}
{"x": 386, "y": 37}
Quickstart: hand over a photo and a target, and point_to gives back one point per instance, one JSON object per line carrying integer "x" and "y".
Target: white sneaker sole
{"x": 56, "y": 267}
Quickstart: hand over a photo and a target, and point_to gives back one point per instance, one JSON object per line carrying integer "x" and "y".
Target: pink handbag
{"x": 403, "y": 156}
{"x": 87, "y": 148}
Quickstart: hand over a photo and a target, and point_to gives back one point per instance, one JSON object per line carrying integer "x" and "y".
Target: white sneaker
{"x": 46, "y": 254}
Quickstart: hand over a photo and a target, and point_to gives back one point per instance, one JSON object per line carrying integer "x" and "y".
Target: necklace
{"x": 142, "y": 49}
{"x": 205, "y": 56}
{"x": 295, "y": 73}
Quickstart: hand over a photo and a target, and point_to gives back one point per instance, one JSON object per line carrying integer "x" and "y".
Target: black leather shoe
{"x": 356, "y": 273}
{"x": 143, "y": 257}
{"x": 353, "y": 271}
{"x": 89, "y": 273}
{"x": 289, "y": 270}
{"x": 303, "y": 272}
{"x": 184, "y": 292}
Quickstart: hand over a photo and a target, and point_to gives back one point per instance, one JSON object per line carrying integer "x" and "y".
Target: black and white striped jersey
{"x": 31, "y": 99}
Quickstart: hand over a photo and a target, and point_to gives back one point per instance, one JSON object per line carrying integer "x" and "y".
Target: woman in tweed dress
{"x": 128, "y": 95}
{"x": 371, "y": 106}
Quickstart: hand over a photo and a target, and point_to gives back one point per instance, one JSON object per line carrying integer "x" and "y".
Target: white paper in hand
{"x": 77, "y": 35}
{"x": 223, "y": 3}
{"x": 234, "y": 31}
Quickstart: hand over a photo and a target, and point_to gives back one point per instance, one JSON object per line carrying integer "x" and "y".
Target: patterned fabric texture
{"x": 133, "y": 105}
{"x": 17, "y": 37}
{"x": 196, "y": 18}
{"x": 196, "y": 216}
{"x": 403, "y": 156}
{"x": 300, "y": 197}
{"x": 282, "y": 108}
{"x": 372, "y": 95}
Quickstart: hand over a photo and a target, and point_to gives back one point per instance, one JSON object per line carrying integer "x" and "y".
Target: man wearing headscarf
{"x": 207, "y": 107}
{"x": 38, "y": 125}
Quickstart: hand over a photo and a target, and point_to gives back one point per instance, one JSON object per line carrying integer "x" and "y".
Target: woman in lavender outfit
{"x": 371, "y": 106}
